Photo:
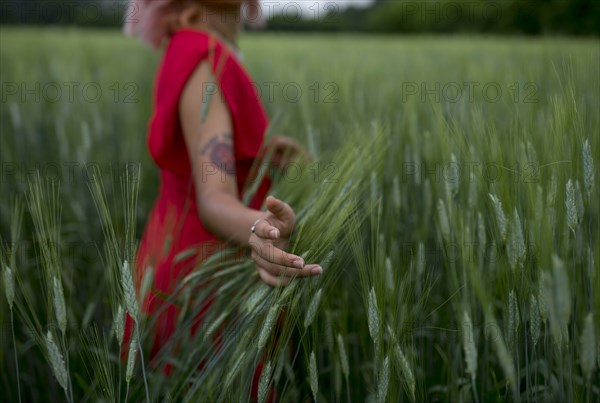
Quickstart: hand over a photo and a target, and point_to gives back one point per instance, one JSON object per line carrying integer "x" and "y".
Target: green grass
{"x": 458, "y": 233}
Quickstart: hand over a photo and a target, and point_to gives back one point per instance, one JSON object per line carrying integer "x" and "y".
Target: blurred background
{"x": 530, "y": 17}
{"x": 460, "y": 132}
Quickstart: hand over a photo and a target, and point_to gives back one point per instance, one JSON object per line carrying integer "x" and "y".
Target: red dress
{"x": 174, "y": 228}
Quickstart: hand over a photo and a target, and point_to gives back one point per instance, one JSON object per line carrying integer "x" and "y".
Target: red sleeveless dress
{"x": 175, "y": 241}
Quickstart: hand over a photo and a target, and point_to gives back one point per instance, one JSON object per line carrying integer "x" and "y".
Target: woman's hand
{"x": 283, "y": 151}
{"x": 269, "y": 241}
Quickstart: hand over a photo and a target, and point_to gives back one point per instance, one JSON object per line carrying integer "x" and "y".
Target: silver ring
{"x": 253, "y": 229}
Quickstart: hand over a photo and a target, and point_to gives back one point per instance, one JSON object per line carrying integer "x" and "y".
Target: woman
{"x": 205, "y": 140}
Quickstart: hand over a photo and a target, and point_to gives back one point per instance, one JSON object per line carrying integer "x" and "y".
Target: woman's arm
{"x": 210, "y": 148}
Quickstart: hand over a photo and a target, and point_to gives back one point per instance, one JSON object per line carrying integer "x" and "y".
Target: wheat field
{"x": 450, "y": 202}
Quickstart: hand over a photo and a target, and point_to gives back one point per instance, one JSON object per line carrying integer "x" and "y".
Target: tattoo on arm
{"x": 219, "y": 150}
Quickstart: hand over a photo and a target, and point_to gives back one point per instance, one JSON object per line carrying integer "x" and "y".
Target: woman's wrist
{"x": 227, "y": 218}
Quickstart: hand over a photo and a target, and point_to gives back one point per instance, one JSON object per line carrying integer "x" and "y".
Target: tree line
{"x": 529, "y": 17}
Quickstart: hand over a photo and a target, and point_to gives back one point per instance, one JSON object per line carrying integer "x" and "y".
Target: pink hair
{"x": 148, "y": 19}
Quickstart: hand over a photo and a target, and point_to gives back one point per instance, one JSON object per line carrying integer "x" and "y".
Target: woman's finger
{"x": 285, "y": 142}
{"x": 282, "y": 211}
{"x": 286, "y": 271}
{"x": 272, "y": 254}
{"x": 263, "y": 229}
